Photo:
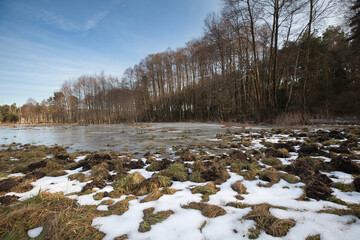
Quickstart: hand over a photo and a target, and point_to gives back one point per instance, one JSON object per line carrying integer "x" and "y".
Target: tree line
{"x": 255, "y": 60}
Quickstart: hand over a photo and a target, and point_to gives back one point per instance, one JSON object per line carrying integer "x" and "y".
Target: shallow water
{"x": 117, "y": 137}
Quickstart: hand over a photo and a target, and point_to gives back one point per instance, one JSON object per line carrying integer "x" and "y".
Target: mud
{"x": 7, "y": 200}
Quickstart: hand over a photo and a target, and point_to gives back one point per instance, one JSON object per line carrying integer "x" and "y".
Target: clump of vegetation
{"x": 81, "y": 177}
{"x": 239, "y": 187}
{"x": 151, "y": 218}
{"x": 153, "y": 196}
{"x": 281, "y": 152}
{"x": 60, "y": 217}
{"x": 313, "y": 237}
{"x": 208, "y": 171}
{"x": 290, "y": 178}
{"x": 270, "y": 175}
{"x": 129, "y": 183}
{"x": 265, "y": 221}
{"x": 158, "y": 165}
{"x": 186, "y": 155}
{"x": 250, "y": 174}
{"x": 100, "y": 195}
{"x": 101, "y": 171}
{"x": 121, "y": 207}
{"x": 207, "y": 210}
{"x": 151, "y": 184}
{"x": 206, "y": 190}
{"x": 353, "y": 209}
{"x": 238, "y": 205}
{"x": 274, "y": 162}
{"x": 309, "y": 148}
{"x": 176, "y": 172}
{"x": 343, "y": 187}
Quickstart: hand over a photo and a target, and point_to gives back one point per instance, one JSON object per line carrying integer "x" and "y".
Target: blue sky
{"x": 44, "y": 42}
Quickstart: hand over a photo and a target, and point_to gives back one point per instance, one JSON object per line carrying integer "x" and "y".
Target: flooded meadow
{"x": 180, "y": 181}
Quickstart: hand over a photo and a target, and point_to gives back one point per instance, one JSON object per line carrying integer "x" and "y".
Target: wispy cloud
{"x": 52, "y": 19}
{"x": 93, "y": 21}
{"x": 61, "y": 22}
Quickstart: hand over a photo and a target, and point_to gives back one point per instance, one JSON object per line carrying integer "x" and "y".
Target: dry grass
{"x": 151, "y": 218}
{"x": 207, "y": 210}
{"x": 239, "y": 187}
{"x": 353, "y": 209}
{"x": 266, "y": 222}
{"x": 292, "y": 119}
{"x": 153, "y": 196}
{"x": 121, "y": 207}
{"x": 80, "y": 177}
{"x": 206, "y": 190}
{"x": 60, "y": 217}
{"x": 274, "y": 162}
{"x": 313, "y": 237}
{"x": 270, "y": 175}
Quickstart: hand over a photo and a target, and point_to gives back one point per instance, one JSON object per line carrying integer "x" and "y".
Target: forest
{"x": 255, "y": 61}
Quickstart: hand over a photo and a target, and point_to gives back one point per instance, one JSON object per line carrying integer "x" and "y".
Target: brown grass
{"x": 266, "y": 222}
{"x": 353, "y": 209}
{"x": 207, "y": 210}
{"x": 121, "y": 207}
{"x": 239, "y": 187}
{"x": 292, "y": 119}
{"x": 151, "y": 218}
{"x": 206, "y": 190}
{"x": 61, "y": 218}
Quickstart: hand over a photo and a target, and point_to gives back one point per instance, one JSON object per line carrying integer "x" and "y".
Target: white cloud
{"x": 52, "y": 19}
{"x": 93, "y": 21}
{"x": 55, "y": 20}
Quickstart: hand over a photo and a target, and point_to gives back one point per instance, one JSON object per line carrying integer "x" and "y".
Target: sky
{"x": 45, "y": 42}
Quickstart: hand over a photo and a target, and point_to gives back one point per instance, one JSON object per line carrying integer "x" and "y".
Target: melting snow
{"x": 33, "y": 233}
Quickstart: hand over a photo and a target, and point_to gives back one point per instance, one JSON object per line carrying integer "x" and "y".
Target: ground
{"x": 301, "y": 183}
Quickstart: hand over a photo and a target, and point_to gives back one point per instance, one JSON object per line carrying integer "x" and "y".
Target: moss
{"x": 150, "y": 218}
